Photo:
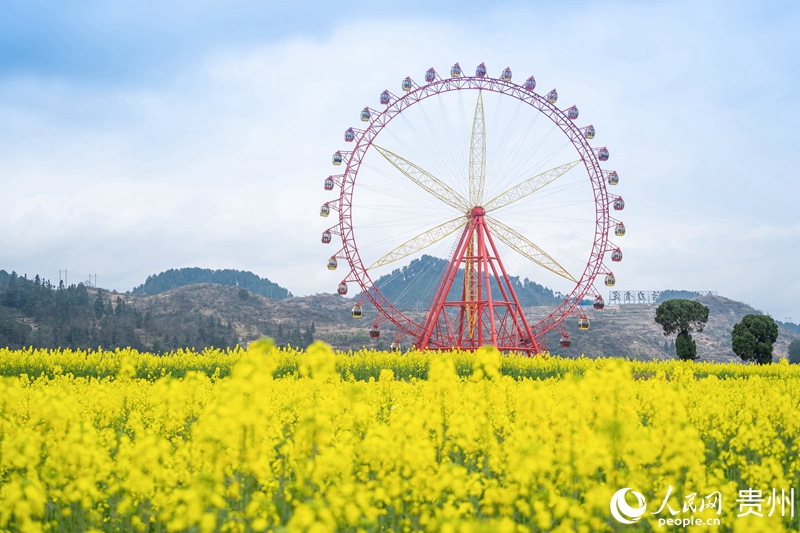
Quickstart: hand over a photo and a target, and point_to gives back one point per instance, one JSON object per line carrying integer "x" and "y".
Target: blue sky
{"x": 140, "y": 137}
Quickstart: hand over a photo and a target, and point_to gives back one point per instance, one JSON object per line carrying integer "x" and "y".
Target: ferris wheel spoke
{"x": 421, "y": 241}
{"x": 529, "y": 186}
{"x": 425, "y": 180}
{"x": 477, "y": 154}
{"x": 526, "y": 248}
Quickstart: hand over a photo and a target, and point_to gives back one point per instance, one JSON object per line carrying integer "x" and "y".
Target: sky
{"x": 139, "y": 137}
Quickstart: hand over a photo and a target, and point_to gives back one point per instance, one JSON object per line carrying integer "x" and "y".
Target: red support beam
{"x": 498, "y": 315}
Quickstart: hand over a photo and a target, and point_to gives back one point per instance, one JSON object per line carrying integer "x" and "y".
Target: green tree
{"x": 119, "y": 309}
{"x": 99, "y": 305}
{"x": 794, "y": 351}
{"x": 682, "y": 316}
{"x": 753, "y": 338}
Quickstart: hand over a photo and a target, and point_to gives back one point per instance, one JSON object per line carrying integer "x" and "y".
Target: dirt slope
{"x": 626, "y": 331}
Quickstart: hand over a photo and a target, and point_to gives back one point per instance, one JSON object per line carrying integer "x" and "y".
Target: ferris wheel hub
{"x": 477, "y": 211}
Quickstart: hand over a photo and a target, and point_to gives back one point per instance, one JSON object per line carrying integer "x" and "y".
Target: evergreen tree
{"x": 794, "y": 352}
{"x": 753, "y": 338}
{"x": 682, "y": 316}
{"x": 119, "y": 310}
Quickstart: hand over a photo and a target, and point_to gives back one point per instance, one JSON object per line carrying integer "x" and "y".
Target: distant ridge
{"x": 181, "y": 277}
{"x": 33, "y": 312}
{"x": 413, "y": 286}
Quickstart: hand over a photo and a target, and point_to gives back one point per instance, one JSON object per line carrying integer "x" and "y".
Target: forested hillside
{"x": 33, "y": 312}
{"x": 181, "y": 277}
{"x": 412, "y": 287}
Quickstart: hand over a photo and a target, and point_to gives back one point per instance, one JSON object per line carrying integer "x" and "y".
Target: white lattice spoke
{"x": 526, "y": 248}
{"x": 529, "y": 186}
{"x": 425, "y": 180}
{"x": 477, "y": 154}
{"x": 421, "y": 241}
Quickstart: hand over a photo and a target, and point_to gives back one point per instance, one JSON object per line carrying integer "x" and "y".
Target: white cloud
{"x": 222, "y": 166}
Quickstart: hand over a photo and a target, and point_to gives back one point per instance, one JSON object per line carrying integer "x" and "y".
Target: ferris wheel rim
{"x": 364, "y": 140}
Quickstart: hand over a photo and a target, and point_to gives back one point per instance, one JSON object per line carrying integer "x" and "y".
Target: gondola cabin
{"x": 374, "y": 331}
{"x": 565, "y": 341}
{"x": 572, "y": 112}
{"x": 530, "y": 84}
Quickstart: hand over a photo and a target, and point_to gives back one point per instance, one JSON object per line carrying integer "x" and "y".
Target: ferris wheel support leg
{"x": 479, "y": 307}
{"x": 465, "y": 312}
{"x": 471, "y": 281}
{"x": 485, "y": 263}
{"x": 524, "y": 329}
{"x": 510, "y": 308}
{"x": 444, "y": 289}
{"x": 461, "y": 317}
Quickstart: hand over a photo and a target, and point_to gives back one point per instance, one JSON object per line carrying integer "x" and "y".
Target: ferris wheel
{"x": 495, "y": 180}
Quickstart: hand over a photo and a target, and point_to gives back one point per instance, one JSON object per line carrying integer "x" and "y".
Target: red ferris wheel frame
{"x": 519, "y": 336}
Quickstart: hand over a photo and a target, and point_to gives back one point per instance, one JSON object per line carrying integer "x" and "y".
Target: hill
{"x": 616, "y": 331}
{"x": 412, "y": 287}
{"x": 35, "y": 313}
{"x": 296, "y": 320}
{"x": 631, "y": 331}
{"x": 181, "y": 277}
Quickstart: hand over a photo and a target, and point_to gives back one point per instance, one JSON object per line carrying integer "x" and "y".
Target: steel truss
{"x": 480, "y": 317}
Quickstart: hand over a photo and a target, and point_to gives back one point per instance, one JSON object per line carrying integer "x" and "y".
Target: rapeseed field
{"x": 289, "y": 440}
